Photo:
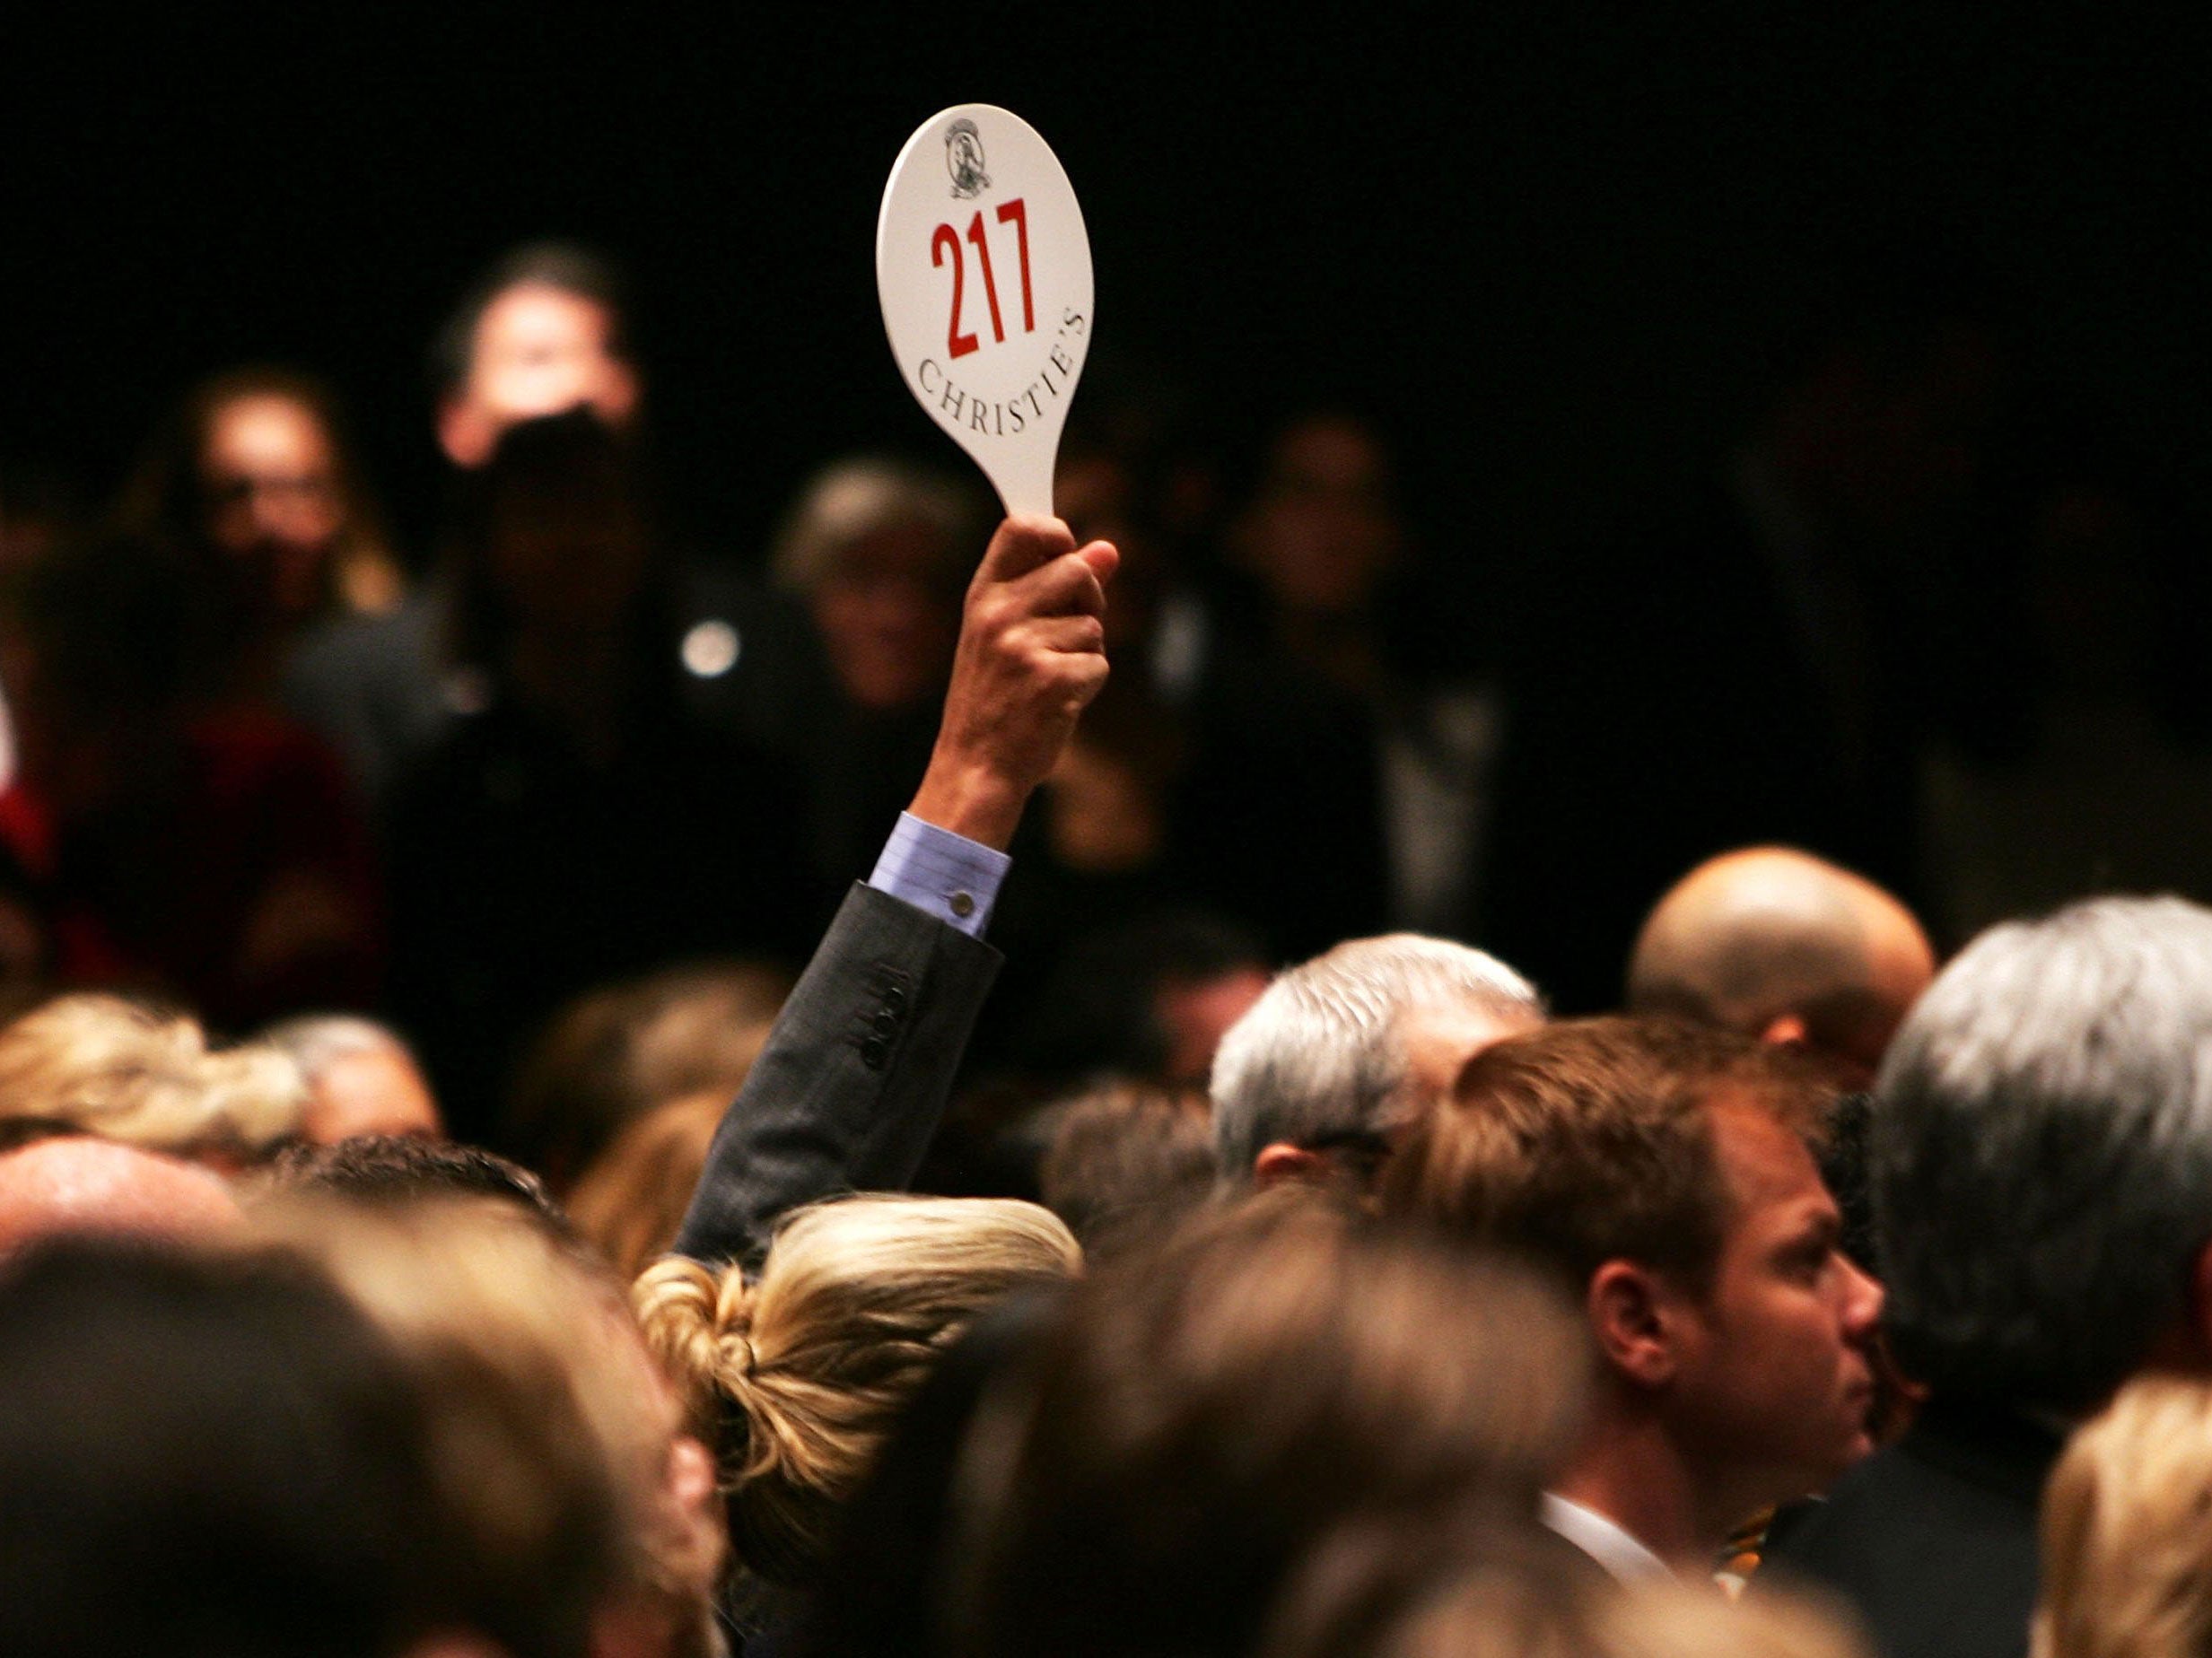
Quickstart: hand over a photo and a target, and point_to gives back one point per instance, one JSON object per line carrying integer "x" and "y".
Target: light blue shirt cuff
{"x": 941, "y": 874}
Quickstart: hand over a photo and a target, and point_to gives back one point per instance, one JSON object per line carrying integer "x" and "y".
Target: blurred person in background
{"x": 1811, "y": 610}
{"x": 875, "y": 552}
{"x": 620, "y": 1051}
{"x": 253, "y": 476}
{"x": 252, "y": 483}
{"x": 1285, "y": 714}
{"x": 158, "y": 840}
{"x": 1321, "y": 539}
{"x": 545, "y": 332}
{"x": 2105, "y": 739}
{"x": 362, "y": 1077}
{"x": 579, "y": 822}
{"x": 630, "y": 1200}
{"x": 1350, "y": 691}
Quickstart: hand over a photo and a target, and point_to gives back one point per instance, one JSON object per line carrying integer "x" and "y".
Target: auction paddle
{"x": 983, "y": 268}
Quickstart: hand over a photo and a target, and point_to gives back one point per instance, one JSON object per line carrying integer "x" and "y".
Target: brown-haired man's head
{"x": 1664, "y": 1172}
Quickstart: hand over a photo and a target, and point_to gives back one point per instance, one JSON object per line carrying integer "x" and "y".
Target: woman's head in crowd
{"x": 2127, "y": 1558}
{"x": 133, "y": 1073}
{"x": 631, "y": 1201}
{"x": 254, "y": 470}
{"x": 794, "y": 1378}
{"x": 616, "y": 1053}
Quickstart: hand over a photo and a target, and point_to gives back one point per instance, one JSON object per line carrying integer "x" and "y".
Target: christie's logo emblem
{"x": 964, "y": 159}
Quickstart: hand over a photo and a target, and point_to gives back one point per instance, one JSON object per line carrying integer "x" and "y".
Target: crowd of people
{"x": 512, "y": 1144}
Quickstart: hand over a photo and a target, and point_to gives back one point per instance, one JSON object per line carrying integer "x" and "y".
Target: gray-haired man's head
{"x": 1340, "y": 1048}
{"x": 2041, "y": 1154}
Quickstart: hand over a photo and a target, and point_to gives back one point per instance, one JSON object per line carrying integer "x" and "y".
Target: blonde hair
{"x": 794, "y": 1379}
{"x": 631, "y": 1201}
{"x": 148, "y": 1079}
{"x": 551, "y": 1427}
{"x": 2127, "y": 1530}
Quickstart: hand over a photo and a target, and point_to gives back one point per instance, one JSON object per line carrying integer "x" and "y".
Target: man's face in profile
{"x": 1777, "y": 1380}
{"x": 537, "y": 351}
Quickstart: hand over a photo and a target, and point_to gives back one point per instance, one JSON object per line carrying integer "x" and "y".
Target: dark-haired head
{"x": 544, "y": 331}
{"x": 204, "y": 1455}
{"x": 395, "y": 1169}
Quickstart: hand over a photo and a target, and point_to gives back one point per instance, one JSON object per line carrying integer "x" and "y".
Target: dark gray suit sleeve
{"x": 854, "y": 1078}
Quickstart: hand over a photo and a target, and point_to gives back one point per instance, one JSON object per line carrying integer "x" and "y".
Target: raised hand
{"x": 1032, "y": 654}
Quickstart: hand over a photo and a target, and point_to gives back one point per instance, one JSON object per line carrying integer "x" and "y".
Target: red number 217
{"x": 945, "y": 240}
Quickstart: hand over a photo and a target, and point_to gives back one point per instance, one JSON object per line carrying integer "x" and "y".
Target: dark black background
{"x": 1552, "y": 243}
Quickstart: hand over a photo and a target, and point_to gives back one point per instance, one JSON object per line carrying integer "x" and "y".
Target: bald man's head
{"x": 79, "y": 1183}
{"x": 1785, "y": 946}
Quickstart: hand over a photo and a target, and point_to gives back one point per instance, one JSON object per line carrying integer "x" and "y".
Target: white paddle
{"x": 983, "y": 270}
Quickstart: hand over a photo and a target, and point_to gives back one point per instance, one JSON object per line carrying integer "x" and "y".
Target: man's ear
{"x": 1280, "y": 1161}
{"x": 1627, "y": 1310}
